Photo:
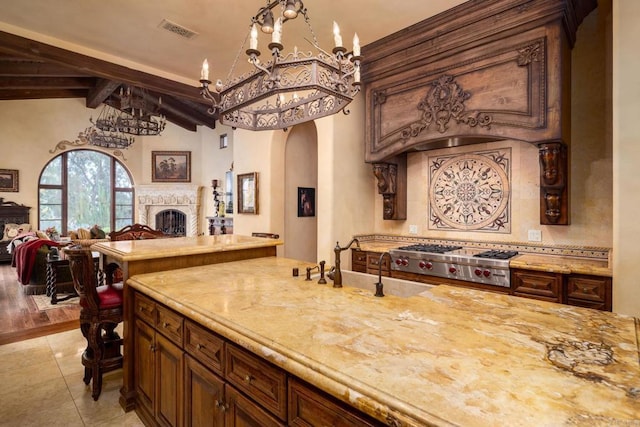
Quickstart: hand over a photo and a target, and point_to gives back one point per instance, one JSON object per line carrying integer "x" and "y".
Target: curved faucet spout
{"x": 337, "y": 275}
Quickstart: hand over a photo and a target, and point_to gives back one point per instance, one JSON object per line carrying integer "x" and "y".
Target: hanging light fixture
{"x": 288, "y": 89}
{"x": 105, "y": 131}
{"x": 137, "y": 117}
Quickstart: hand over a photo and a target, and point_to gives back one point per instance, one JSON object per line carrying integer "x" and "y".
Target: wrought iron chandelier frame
{"x": 320, "y": 84}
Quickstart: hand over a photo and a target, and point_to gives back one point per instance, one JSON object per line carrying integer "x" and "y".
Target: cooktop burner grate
{"x": 438, "y": 249}
{"x": 495, "y": 254}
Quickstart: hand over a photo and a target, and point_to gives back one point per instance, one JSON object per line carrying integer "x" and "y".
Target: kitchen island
{"x": 153, "y": 255}
{"x": 449, "y": 356}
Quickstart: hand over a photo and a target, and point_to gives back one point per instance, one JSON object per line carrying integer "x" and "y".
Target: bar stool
{"x": 101, "y": 311}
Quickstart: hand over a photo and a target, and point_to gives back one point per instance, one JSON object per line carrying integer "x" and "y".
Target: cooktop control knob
{"x": 478, "y": 272}
{"x": 452, "y": 270}
{"x": 425, "y": 265}
{"x": 402, "y": 262}
{"x": 486, "y": 273}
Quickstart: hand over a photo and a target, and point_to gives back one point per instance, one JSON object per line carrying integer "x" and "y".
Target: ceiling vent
{"x": 177, "y": 29}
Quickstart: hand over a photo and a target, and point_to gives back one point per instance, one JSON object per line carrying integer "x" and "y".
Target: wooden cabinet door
{"x": 144, "y": 365}
{"x": 204, "y": 396}
{"x": 169, "y": 361}
{"x": 242, "y": 412}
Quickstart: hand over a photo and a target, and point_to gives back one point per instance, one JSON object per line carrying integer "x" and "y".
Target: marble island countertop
{"x": 132, "y": 250}
{"x": 449, "y": 356}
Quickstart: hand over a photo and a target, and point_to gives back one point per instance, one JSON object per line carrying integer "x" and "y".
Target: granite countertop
{"x": 449, "y": 356}
{"x": 540, "y": 262}
{"x": 132, "y": 250}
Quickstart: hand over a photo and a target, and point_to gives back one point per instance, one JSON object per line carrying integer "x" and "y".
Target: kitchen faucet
{"x": 337, "y": 275}
{"x": 379, "y": 286}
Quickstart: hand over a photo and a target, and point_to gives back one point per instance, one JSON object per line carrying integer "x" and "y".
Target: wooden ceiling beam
{"x": 97, "y": 67}
{"x": 9, "y": 83}
{"x": 101, "y": 91}
{"x": 13, "y": 94}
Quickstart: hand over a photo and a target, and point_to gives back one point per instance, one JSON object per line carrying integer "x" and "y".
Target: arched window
{"x": 82, "y": 188}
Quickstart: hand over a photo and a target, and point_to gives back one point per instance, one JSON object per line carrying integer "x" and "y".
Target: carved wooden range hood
{"x": 483, "y": 71}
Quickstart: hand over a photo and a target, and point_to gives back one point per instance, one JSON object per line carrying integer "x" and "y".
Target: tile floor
{"x": 41, "y": 384}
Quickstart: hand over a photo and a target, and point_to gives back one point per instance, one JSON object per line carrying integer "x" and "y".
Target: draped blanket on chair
{"x": 24, "y": 258}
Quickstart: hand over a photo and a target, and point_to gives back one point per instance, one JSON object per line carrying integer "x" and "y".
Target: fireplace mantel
{"x": 154, "y": 198}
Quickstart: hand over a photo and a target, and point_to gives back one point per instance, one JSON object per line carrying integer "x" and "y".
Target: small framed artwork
{"x": 224, "y": 141}
{"x": 248, "y": 193}
{"x": 171, "y": 166}
{"x": 306, "y": 201}
{"x": 9, "y": 180}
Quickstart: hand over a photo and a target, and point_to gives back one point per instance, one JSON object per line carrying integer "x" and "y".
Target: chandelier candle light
{"x": 319, "y": 85}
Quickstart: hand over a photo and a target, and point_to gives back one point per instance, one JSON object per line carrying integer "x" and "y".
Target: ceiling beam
{"x": 101, "y": 91}
{"x": 14, "y": 94}
{"x": 15, "y": 82}
{"x": 36, "y": 50}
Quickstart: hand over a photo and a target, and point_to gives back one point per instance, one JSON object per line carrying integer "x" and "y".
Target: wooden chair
{"x": 136, "y": 232}
{"x": 101, "y": 311}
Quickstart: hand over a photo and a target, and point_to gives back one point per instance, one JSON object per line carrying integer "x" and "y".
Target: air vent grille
{"x": 177, "y": 29}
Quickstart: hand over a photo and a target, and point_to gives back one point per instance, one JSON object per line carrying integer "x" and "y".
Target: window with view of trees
{"x": 83, "y": 188}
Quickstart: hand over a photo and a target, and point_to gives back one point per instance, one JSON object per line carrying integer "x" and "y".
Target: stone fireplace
{"x": 153, "y": 199}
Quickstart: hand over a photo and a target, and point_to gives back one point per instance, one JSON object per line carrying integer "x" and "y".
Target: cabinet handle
{"x": 199, "y": 346}
{"x": 248, "y": 378}
{"x": 221, "y": 405}
{"x": 165, "y": 325}
{"x": 152, "y": 348}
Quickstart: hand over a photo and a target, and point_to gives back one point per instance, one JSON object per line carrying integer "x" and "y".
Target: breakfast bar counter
{"x": 448, "y": 356}
{"x": 154, "y": 255}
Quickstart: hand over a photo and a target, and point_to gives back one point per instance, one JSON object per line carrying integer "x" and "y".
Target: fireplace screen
{"x": 172, "y": 222}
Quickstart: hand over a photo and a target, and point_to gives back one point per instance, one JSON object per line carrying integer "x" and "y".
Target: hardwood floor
{"x": 20, "y": 318}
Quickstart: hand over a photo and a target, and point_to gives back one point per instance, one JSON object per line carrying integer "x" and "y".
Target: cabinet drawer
{"x": 589, "y": 291}
{"x": 145, "y": 309}
{"x": 373, "y": 263}
{"x": 537, "y": 284}
{"x": 263, "y": 382}
{"x": 204, "y": 346}
{"x": 587, "y": 288}
{"x": 358, "y": 257}
{"x": 170, "y": 324}
{"x": 311, "y": 407}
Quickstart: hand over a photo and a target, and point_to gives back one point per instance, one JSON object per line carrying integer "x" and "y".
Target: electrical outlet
{"x": 413, "y": 229}
{"x": 535, "y": 235}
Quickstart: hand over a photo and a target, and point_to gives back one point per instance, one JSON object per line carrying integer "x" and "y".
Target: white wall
{"x": 626, "y": 157}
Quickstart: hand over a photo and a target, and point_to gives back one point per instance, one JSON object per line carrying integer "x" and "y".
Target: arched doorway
{"x": 301, "y": 193}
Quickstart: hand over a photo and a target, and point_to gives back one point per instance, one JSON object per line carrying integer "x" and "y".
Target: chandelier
{"x": 290, "y": 88}
{"x": 137, "y": 116}
{"x": 105, "y": 131}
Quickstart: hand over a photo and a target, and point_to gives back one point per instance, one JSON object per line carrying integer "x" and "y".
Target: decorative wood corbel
{"x": 554, "y": 184}
{"x": 392, "y": 184}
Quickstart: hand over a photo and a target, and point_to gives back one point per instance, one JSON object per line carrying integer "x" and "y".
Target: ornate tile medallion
{"x": 470, "y": 191}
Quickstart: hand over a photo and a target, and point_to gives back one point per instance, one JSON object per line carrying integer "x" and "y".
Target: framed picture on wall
{"x": 171, "y": 166}
{"x": 306, "y": 201}
{"x": 9, "y": 180}
{"x": 248, "y": 193}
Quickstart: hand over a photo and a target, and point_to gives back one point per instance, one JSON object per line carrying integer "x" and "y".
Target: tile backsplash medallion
{"x": 470, "y": 191}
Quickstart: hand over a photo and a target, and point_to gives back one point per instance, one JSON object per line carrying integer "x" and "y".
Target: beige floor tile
{"x": 42, "y": 385}
{"x": 22, "y": 346}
